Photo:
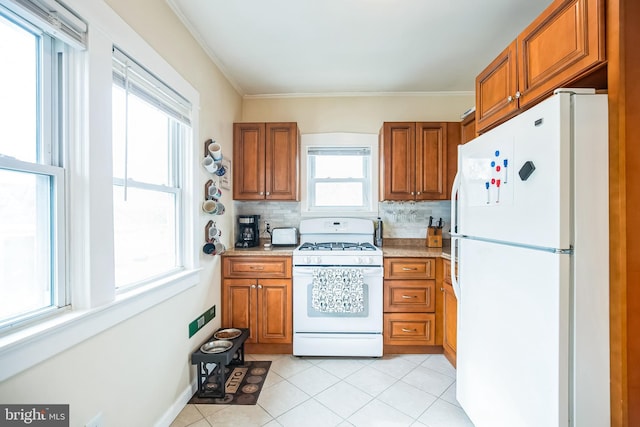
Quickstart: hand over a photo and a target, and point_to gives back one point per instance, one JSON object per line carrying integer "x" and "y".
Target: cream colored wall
{"x": 134, "y": 372}
{"x": 363, "y": 114}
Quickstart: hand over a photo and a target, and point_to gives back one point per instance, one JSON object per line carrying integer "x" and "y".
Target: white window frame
{"x": 132, "y": 76}
{"x": 95, "y": 305}
{"x": 338, "y": 140}
{"x": 56, "y": 60}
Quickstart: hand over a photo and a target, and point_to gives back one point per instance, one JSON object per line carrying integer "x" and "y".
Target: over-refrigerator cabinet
{"x": 530, "y": 229}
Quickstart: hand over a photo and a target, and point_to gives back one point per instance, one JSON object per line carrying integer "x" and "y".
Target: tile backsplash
{"x": 401, "y": 219}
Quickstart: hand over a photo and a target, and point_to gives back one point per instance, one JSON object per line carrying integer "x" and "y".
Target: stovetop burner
{"x": 337, "y": 246}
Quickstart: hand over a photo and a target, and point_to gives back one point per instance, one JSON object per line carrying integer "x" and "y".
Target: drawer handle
{"x": 409, "y": 330}
{"x": 256, "y": 267}
{"x": 409, "y": 296}
{"x": 409, "y": 268}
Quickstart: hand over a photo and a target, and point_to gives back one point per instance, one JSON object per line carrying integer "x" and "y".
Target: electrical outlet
{"x": 96, "y": 421}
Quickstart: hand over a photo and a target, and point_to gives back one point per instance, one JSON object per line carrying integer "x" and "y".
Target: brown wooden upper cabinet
{"x": 413, "y": 161}
{"x": 558, "y": 49}
{"x": 266, "y": 158}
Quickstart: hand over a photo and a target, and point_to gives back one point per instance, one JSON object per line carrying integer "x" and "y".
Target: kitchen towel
{"x": 337, "y": 290}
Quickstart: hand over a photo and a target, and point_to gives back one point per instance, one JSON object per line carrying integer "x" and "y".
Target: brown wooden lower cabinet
{"x": 450, "y": 315}
{"x": 411, "y": 305}
{"x": 262, "y": 303}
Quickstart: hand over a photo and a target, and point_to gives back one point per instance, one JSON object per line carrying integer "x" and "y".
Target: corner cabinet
{"x": 560, "y": 48}
{"x": 450, "y": 315}
{"x": 413, "y": 161}
{"x": 266, "y": 160}
{"x": 409, "y": 305}
{"x": 257, "y": 294}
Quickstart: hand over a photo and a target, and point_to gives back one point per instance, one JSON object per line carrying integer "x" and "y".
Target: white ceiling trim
{"x": 357, "y": 94}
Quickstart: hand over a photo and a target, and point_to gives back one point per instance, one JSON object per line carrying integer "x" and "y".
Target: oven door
{"x": 319, "y": 306}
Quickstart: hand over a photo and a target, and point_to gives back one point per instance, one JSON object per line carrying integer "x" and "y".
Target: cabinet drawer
{"x": 409, "y": 296}
{"x": 409, "y": 268}
{"x": 261, "y": 267}
{"x": 409, "y": 329}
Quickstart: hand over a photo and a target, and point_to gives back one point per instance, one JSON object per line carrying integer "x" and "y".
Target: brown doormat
{"x": 244, "y": 384}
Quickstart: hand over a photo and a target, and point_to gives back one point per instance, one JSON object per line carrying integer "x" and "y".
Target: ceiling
{"x": 297, "y": 47}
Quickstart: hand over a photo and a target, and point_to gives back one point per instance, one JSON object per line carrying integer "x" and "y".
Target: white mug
{"x": 219, "y": 248}
{"x": 210, "y": 207}
{"x": 214, "y": 233}
{"x": 219, "y": 208}
{"x": 215, "y": 151}
{"x": 214, "y": 192}
{"x": 209, "y": 164}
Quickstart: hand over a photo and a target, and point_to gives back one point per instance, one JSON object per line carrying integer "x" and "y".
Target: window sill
{"x": 27, "y": 347}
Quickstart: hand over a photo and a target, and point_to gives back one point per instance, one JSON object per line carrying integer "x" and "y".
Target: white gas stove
{"x": 337, "y": 289}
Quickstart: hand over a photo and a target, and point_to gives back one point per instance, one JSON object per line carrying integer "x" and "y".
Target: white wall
{"x": 138, "y": 372}
{"x": 361, "y": 114}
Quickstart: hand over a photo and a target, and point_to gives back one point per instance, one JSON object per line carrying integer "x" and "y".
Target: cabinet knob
{"x": 268, "y": 193}
{"x": 412, "y": 193}
{"x": 518, "y": 94}
{"x": 509, "y": 98}
{"x": 253, "y": 286}
{"x": 262, "y": 193}
{"x": 259, "y": 286}
{"x": 419, "y": 193}
{"x": 441, "y": 289}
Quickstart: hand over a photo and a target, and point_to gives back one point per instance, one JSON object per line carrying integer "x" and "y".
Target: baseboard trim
{"x": 170, "y": 414}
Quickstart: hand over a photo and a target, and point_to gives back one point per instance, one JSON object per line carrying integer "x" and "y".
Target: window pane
{"x": 145, "y": 234}
{"x": 18, "y": 86}
{"x": 147, "y": 151}
{"x": 25, "y": 243}
{"x": 339, "y": 194}
{"x": 338, "y": 166}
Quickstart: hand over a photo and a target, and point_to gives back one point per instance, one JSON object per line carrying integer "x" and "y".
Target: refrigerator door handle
{"x": 454, "y": 261}
{"x": 455, "y": 189}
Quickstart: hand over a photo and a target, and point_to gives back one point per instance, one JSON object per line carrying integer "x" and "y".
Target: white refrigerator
{"x": 530, "y": 235}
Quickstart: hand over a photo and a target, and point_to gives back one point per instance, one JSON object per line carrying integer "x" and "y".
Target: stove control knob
{"x": 369, "y": 260}
{"x": 318, "y": 260}
{"x": 307, "y": 260}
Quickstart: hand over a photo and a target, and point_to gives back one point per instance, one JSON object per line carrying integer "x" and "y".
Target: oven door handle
{"x": 366, "y": 271}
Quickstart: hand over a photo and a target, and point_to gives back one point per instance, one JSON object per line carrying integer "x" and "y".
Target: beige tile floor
{"x": 400, "y": 390}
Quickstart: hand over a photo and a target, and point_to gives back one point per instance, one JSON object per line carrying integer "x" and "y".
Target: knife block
{"x": 434, "y": 237}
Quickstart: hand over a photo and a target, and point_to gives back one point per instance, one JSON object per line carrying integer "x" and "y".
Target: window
{"x": 338, "y": 173}
{"x": 150, "y": 128}
{"x": 33, "y": 128}
{"x": 339, "y": 177}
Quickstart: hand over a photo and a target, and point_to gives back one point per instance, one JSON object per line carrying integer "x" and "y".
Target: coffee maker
{"x": 248, "y": 234}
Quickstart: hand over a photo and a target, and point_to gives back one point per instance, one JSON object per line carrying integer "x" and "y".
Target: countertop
{"x": 409, "y": 248}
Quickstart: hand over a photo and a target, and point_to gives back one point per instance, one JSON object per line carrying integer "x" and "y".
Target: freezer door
{"x": 515, "y": 179}
{"x": 513, "y": 336}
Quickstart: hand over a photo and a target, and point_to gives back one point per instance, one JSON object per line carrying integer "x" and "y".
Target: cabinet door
{"x": 397, "y": 171}
{"x": 431, "y": 161}
{"x": 249, "y": 161}
{"x": 450, "y": 322}
{"x": 496, "y": 88}
{"x": 281, "y": 164}
{"x": 563, "y": 43}
{"x": 468, "y": 128}
{"x": 239, "y": 305}
{"x": 275, "y": 323}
